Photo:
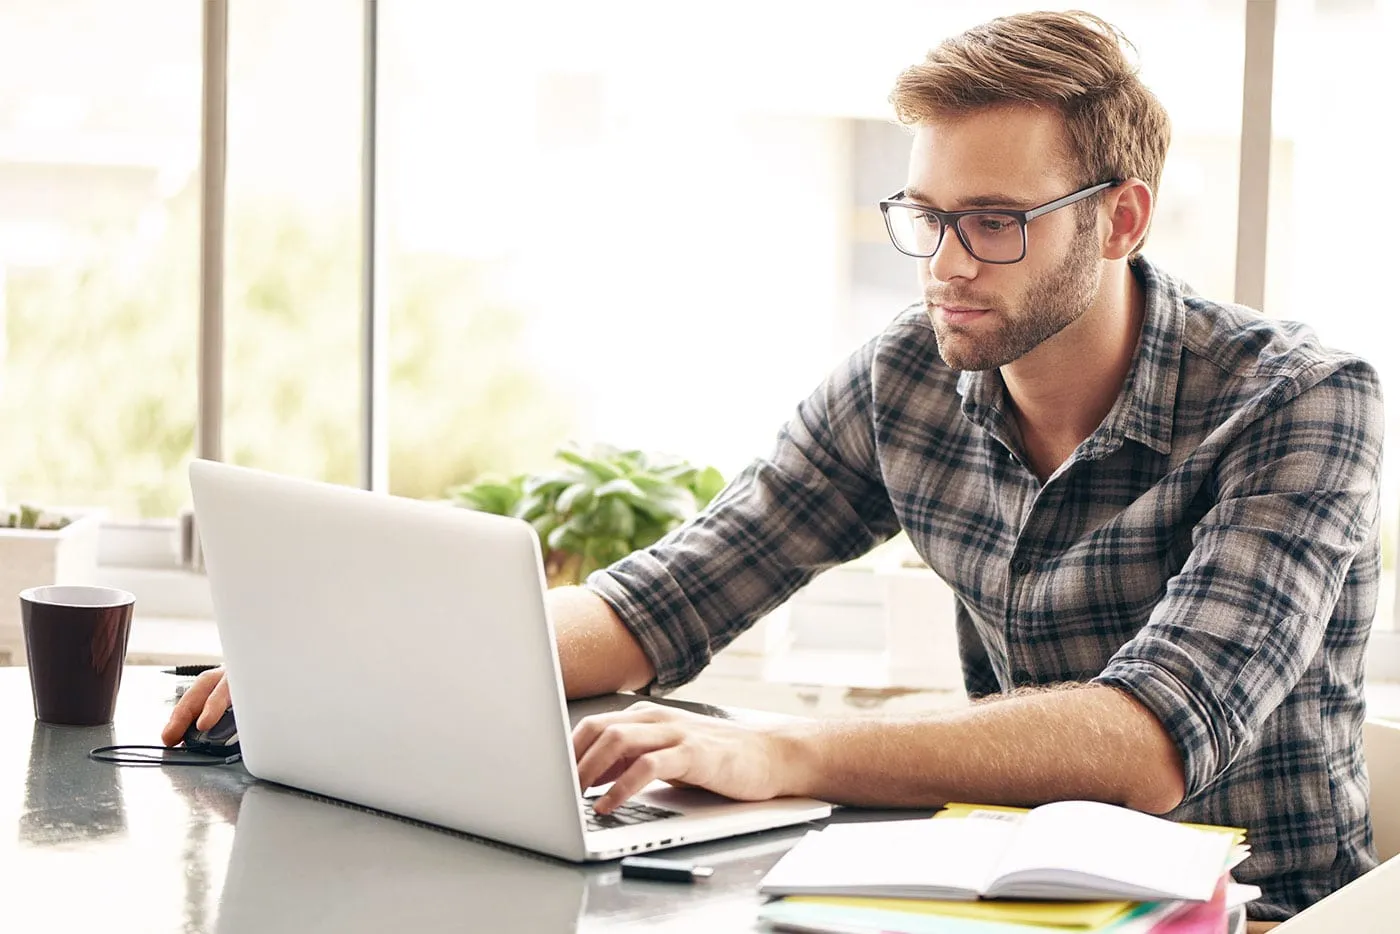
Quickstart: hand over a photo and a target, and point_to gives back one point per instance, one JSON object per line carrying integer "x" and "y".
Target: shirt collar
{"x": 1144, "y": 409}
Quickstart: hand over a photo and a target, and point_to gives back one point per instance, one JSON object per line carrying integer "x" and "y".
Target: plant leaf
{"x": 489, "y": 495}
{"x": 648, "y": 533}
{"x": 550, "y": 483}
{"x": 578, "y": 498}
{"x": 706, "y": 486}
{"x": 598, "y": 468}
{"x": 544, "y": 525}
{"x": 669, "y": 503}
{"x": 622, "y": 486}
{"x": 532, "y": 506}
{"x": 565, "y": 538}
{"x": 614, "y": 518}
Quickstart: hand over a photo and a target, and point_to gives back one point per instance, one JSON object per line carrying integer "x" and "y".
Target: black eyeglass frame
{"x": 947, "y": 219}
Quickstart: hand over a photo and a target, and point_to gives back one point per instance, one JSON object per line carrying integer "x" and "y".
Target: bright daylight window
{"x": 1334, "y": 151}
{"x": 99, "y": 252}
{"x": 292, "y": 228}
{"x": 603, "y": 222}
{"x": 667, "y": 243}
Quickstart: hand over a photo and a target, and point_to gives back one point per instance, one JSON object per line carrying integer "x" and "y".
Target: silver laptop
{"x": 397, "y": 654}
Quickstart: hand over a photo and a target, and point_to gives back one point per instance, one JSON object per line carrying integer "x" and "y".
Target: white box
{"x": 874, "y": 625}
{"x": 33, "y": 558}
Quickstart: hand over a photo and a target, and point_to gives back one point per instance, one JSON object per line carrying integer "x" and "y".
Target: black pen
{"x": 663, "y": 870}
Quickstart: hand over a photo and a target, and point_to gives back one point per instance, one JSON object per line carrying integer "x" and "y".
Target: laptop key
{"x": 625, "y": 816}
{"x": 603, "y": 822}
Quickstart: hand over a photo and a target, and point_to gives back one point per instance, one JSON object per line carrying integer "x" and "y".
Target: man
{"x": 1158, "y": 512}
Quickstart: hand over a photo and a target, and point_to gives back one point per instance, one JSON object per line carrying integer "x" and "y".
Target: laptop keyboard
{"x": 624, "y": 816}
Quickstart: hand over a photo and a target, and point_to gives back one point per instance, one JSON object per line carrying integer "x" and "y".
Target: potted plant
{"x": 598, "y": 506}
{"x": 41, "y": 546}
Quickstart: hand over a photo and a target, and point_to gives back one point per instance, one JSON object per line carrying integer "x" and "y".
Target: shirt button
{"x": 1021, "y": 565}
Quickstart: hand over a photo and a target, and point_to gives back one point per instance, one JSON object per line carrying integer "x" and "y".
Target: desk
{"x": 212, "y": 850}
{"x": 88, "y": 846}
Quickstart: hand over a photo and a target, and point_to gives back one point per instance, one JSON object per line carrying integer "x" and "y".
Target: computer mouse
{"x": 221, "y": 739}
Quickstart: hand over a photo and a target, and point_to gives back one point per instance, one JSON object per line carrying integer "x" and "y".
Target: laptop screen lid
{"x": 391, "y": 652}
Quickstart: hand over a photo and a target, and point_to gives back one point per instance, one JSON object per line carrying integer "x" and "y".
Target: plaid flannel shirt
{"x": 1212, "y": 549}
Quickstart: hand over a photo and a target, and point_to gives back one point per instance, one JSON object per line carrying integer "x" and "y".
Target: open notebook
{"x": 1065, "y": 850}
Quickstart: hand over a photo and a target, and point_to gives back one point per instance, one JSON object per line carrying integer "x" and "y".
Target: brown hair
{"x": 1072, "y": 61}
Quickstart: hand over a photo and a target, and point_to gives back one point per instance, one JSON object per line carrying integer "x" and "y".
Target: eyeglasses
{"x": 997, "y": 236}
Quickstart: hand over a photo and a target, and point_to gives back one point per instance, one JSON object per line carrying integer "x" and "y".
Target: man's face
{"x": 986, "y": 315}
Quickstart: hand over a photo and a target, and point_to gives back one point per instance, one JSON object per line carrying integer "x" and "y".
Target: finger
{"x": 189, "y": 706}
{"x": 616, "y": 769}
{"x": 586, "y": 733}
{"x": 214, "y": 708}
{"x": 618, "y": 742}
{"x": 663, "y": 764}
{"x": 588, "y": 730}
{"x": 649, "y": 709}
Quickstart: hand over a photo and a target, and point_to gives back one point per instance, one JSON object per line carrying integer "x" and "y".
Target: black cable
{"x": 115, "y": 755}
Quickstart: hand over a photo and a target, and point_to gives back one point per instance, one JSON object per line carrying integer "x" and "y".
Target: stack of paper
{"x": 1068, "y": 867}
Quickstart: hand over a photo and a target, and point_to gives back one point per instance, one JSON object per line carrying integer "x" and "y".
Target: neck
{"x": 1062, "y": 390}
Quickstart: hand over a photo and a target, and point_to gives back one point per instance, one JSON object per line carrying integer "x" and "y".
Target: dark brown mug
{"x": 75, "y": 638}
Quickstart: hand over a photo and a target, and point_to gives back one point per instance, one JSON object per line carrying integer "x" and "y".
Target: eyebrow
{"x": 988, "y": 200}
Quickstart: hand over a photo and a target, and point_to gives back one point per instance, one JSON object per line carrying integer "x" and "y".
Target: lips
{"x": 958, "y": 314}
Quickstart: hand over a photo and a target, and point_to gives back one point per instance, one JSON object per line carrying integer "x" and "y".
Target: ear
{"x": 1129, "y": 206}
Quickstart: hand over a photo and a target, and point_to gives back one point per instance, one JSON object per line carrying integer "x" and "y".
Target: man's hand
{"x": 645, "y": 742}
{"x": 203, "y": 704}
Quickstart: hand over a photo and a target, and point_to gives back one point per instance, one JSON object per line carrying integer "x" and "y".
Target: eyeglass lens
{"x": 990, "y": 237}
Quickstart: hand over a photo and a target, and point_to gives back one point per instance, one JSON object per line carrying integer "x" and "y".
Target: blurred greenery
{"x": 98, "y": 391}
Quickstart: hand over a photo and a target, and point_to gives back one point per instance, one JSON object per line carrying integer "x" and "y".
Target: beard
{"x": 1051, "y": 304}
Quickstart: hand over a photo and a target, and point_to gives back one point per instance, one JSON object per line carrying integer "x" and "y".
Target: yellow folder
{"x": 960, "y": 809}
{"x": 1068, "y": 916}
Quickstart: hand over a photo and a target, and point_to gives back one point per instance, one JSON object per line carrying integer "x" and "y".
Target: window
{"x": 1333, "y": 154}
{"x": 99, "y": 262}
{"x": 576, "y": 233}
{"x": 582, "y": 238}
{"x": 292, "y": 227}
{"x": 576, "y": 237}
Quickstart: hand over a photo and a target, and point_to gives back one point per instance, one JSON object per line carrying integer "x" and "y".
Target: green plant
{"x": 31, "y": 517}
{"x": 599, "y": 507}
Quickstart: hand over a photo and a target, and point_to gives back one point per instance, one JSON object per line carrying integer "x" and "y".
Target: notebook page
{"x": 1065, "y": 842}
{"x": 898, "y": 856}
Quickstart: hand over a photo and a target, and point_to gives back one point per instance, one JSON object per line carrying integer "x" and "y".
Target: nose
{"x": 952, "y": 260}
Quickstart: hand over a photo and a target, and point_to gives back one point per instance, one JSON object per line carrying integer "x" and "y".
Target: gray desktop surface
{"x": 95, "y": 847}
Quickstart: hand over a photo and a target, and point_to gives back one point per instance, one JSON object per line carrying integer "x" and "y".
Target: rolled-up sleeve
{"x": 1296, "y": 499}
{"x": 818, "y": 500}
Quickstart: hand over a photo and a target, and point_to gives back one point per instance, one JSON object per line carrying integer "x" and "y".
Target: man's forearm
{"x": 597, "y": 653}
{"x": 1087, "y": 742}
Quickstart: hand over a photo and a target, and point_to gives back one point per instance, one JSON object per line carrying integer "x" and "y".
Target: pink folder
{"x": 1199, "y": 917}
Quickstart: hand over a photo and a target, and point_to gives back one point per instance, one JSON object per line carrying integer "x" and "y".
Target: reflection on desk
{"x": 302, "y": 864}
{"x": 200, "y": 850}
{"x": 66, "y": 800}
